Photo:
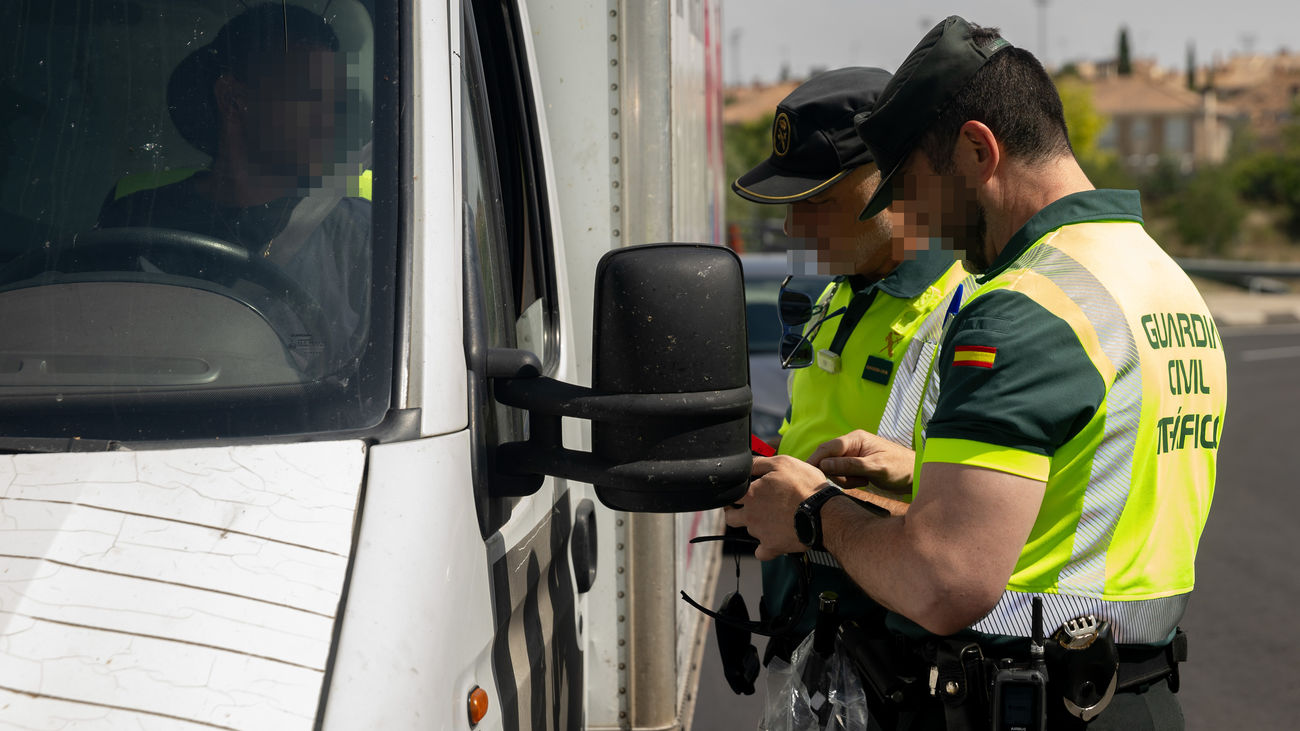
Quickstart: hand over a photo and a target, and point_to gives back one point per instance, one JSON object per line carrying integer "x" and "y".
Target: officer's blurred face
{"x": 931, "y": 206}
{"x": 828, "y": 223}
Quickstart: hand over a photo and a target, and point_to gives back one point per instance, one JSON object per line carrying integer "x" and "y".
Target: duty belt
{"x": 1141, "y": 665}
{"x": 901, "y": 678}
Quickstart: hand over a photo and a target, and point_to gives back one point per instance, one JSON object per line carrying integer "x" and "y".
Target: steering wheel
{"x": 185, "y": 253}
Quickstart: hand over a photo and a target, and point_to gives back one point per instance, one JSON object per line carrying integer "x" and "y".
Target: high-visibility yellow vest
{"x": 881, "y": 370}
{"x": 1087, "y": 359}
{"x": 358, "y": 186}
{"x": 896, "y": 339}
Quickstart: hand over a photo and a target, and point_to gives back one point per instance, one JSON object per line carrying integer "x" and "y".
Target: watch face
{"x": 803, "y": 527}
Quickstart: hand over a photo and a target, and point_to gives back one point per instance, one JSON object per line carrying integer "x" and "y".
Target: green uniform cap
{"x": 940, "y": 65}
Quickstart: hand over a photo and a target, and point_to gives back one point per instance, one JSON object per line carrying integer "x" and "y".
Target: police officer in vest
{"x": 862, "y": 351}
{"x": 1063, "y": 480}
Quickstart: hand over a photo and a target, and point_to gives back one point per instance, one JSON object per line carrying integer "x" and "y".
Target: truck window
{"x": 507, "y": 241}
{"x": 202, "y": 243}
{"x": 501, "y": 110}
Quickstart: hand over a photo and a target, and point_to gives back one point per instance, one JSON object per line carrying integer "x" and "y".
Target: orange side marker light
{"x": 478, "y": 705}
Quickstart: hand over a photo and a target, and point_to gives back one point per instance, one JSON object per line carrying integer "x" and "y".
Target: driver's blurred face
{"x": 290, "y": 119}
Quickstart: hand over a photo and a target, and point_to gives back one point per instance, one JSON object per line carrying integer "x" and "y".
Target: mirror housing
{"x": 670, "y": 399}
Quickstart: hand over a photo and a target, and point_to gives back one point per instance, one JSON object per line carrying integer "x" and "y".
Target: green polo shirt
{"x": 1087, "y": 359}
{"x": 875, "y": 382}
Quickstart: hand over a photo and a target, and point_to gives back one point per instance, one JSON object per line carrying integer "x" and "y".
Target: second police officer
{"x": 862, "y": 350}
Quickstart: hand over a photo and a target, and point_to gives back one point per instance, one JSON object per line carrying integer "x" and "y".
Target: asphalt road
{"x": 1243, "y": 622}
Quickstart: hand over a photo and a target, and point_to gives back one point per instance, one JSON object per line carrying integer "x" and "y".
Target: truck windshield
{"x": 191, "y": 244}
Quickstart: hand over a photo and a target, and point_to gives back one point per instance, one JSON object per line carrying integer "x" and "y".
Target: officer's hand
{"x": 859, "y": 457}
{"x": 767, "y": 510}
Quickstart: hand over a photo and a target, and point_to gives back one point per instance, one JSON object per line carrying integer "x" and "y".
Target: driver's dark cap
{"x": 266, "y": 29}
{"x": 940, "y": 66}
{"x": 814, "y": 143}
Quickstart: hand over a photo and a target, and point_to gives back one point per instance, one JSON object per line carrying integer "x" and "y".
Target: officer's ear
{"x": 976, "y": 153}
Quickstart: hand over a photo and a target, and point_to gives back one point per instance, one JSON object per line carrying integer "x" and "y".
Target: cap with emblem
{"x": 814, "y": 143}
{"x": 940, "y": 65}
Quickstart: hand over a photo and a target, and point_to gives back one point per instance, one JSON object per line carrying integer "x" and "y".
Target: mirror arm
{"x": 517, "y": 381}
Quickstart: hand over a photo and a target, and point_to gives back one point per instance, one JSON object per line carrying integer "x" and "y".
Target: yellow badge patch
{"x": 781, "y": 135}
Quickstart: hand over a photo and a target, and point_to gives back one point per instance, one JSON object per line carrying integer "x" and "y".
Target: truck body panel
{"x": 197, "y": 585}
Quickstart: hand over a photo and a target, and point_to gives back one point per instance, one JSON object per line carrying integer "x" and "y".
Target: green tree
{"x": 1272, "y": 175}
{"x": 1123, "y": 64}
{"x": 1082, "y": 120}
{"x": 1165, "y": 180}
{"x": 1085, "y": 124}
{"x": 1208, "y": 212}
{"x": 744, "y": 145}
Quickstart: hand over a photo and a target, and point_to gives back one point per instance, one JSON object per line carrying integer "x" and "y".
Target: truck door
{"x": 512, "y": 302}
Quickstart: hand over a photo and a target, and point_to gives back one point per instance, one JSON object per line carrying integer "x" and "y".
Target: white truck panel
{"x": 576, "y": 72}
{"x": 437, "y": 356}
{"x": 573, "y": 72}
{"x": 696, "y": 212}
{"x": 192, "y": 585}
{"x": 624, "y": 88}
{"x": 418, "y": 631}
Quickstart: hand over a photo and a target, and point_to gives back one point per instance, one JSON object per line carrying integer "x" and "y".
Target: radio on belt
{"x": 1020, "y": 692}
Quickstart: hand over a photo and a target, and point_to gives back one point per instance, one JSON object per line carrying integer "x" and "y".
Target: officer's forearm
{"x": 868, "y": 548}
{"x": 945, "y": 562}
{"x": 887, "y": 499}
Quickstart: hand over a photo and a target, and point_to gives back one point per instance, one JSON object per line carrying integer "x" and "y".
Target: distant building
{"x": 1154, "y": 116}
{"x": 1265, "y": 89}
{"x": 748, "y": 103}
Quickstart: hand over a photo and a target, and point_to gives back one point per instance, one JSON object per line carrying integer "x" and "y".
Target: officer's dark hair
{"x": 265, "y": 34}
{"x": 1011, "y": 94}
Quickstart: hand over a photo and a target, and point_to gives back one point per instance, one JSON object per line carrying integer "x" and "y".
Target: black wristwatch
{"x": 808, "y": 516}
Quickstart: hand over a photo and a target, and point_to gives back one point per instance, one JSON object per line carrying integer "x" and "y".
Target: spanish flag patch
{"x": 980, "y": 356}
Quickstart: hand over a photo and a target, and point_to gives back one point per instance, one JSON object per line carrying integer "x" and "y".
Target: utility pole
{"x": 737, "y": 79}
{"x": 1123, "y": 64}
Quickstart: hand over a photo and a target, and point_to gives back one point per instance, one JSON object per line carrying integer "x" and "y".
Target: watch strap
{"x": 811, "y": 508}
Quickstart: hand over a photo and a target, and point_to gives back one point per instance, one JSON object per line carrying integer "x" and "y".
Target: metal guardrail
{"x": 1257, "y": 276}
{"x": 1210, "y": 267}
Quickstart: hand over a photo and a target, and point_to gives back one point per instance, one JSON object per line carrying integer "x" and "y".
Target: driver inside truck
{"x": 263, "y": 100}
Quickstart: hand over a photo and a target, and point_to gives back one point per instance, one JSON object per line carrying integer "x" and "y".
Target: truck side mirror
{"x": 670, "y": 399}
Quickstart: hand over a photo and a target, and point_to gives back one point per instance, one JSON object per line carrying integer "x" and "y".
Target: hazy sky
{"x": 762, "y": 35}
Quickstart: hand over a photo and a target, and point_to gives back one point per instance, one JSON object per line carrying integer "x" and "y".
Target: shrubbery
{"x": 1273, "y": 176}
{"x": 1207, "y": 210}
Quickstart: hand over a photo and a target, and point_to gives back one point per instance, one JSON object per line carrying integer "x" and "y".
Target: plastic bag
{"x": 814, "y": 692}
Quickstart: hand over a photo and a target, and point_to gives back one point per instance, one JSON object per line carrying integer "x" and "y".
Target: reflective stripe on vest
{"x": 918, "y": 394}
{"x": 1136, "y": 509}
{"x": 829, "y": 405}
{"x": 1147, "y": 622}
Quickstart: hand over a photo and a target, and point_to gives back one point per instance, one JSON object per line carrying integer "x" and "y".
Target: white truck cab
{"x": 319, "y": 406}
